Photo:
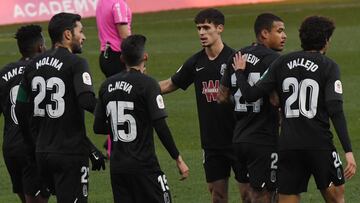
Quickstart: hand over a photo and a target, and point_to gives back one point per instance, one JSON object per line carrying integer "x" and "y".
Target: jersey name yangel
{"x": 120, "y": 85}
{"x": 49, "y": 61}
{"x": 309, "y": 65}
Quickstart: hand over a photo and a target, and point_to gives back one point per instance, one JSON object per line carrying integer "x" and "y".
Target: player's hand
{"x": 239, "y": 61}
{"x": 350, "y": 167}
{"x": 183, "y": 168}
{"x": 97, "y": 160}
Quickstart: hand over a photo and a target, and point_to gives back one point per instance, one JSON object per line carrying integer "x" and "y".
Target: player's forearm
{"x": 224, "y": 95}
{"x": 249, "y": 93}
{"x": 100, "y": 126}
{"x": 165, "y": 137}
{"x": 87, "y": 101}
{"x": 337, "y": 116}
{"x": 167, "y": 86}
{"x": 123, "y": 30}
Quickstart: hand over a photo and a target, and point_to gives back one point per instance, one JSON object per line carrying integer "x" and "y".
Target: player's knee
{"x": 334, "y": 194}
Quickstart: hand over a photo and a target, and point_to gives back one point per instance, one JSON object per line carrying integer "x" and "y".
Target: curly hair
{"x": 27, "y": 38}
{"x": 315, "y": 31}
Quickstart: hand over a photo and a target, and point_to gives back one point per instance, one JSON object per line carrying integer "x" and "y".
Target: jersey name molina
{"x": 256, "y": 122}
{"x": 305, "y": 81}
{"x": 53, "y": 81}
{"x": 130, "y": 101}
{"x": 216, "y": 120}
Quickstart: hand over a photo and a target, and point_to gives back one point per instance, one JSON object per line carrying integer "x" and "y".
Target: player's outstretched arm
{"x": 183, "y": 168}
{"x": 335, "y": 110}
{"x": 166, "y": 139}
{"x": 167, "y": 86}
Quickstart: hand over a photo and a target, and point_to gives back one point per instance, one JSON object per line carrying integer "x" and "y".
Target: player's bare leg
{"x": 38, "y": 199}
{"x": 245, "y": 195}
{"x": 219, "y": 191}
{"x": 289, "y": 198}
{"x": 22, "y": 197}
{"x": 334, "y": 194}
{"x": 261, "y": 196}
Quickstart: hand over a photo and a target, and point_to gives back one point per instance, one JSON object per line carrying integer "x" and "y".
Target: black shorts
{"x": 140, "y": 188}
{"x": 257, "y": 165}
{"x": 218, "y": 163}
{"x": 296, "y": 167}
{"x": 66, "y": 175}
{"x": 110, "y": 62}
{"x": 24, "y": 176}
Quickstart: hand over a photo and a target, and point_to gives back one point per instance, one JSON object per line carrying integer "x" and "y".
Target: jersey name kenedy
{"x": 256, "y": 122}
{"x": 305, "y": 81}
{"x": 216, "y": 121}
{"x": 54, "y": 80}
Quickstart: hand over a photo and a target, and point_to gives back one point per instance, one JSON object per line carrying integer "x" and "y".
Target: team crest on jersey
{"x": 222, "y": 68}
{"x": 86, "y": 78}
{"x": 210, "y": 89}
{"x": 160, "y": 102}
{"x": 338, "y": 87}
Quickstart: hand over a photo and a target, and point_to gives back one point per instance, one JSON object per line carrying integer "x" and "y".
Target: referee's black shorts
{"x": 110, "y": 62}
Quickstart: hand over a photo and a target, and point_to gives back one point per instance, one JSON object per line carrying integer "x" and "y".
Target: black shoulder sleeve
{"x": 165, "y": 137}
{"x": 337, "y": 116}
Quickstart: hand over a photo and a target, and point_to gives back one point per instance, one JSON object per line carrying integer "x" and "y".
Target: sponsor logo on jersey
{"x": 86, "y": 78}
{"x": 179, "y": 69}
{"x": 222, "y": 68}
{"x": 210, "y": 89}
{"x": 338, "y": 87}
{"x": 199, "y": 69}
{"x": 160, "y": 102}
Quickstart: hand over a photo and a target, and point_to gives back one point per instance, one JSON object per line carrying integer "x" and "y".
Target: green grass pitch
{"x": 172, "y": 38}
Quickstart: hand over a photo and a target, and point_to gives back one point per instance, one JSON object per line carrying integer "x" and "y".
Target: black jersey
{"x": 11, "y": 76}
{"x": 305, "y": 81}
{"x": 256, "y": 122}
{"x": 53, "y": 81}
{"x": 216, "y": 120}
{"x": 130, "y": 101}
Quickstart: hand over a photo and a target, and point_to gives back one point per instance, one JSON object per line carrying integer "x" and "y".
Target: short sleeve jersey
{"x": 216, "y": 120}
{"x": 109, "y": 13}
{"x": 256, "y": 122}
{"x": 305, "y": 81}
{"x": 53, "y": 81}
{"x": 11, "y": 76}
{"x": 130, "y": 101}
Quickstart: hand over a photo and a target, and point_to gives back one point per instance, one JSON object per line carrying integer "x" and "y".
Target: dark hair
{"x": 315, "y": 31}
{"x": 210, "y": 15}
{"x": 61, "y": 22}
{"x": 28, "y": 37}
{"x": 133, "y": 48}
{"x": 265, "y": 21}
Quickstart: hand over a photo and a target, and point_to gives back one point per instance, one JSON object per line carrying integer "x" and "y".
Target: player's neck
{"x": 62, "y": 45}
{"x": 214, "y": 50}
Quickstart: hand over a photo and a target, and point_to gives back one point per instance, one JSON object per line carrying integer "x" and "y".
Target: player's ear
{"x": 264, "y": 34}
{"x": 220, "y": 28}
{"x": 67, "y": 35}
{"x": 146, "y": 56}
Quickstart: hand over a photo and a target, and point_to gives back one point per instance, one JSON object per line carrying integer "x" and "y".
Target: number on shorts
{"x": 337, "y": 161}
{"x": 85, "y": 174}
{"x": 163, "y": 182}
{"x": 274, "y": 160}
